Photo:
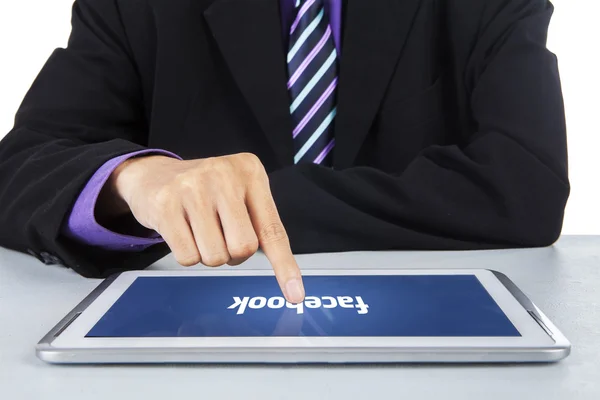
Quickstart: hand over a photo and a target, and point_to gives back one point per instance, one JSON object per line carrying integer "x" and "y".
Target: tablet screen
{"x": 337, "y": 306}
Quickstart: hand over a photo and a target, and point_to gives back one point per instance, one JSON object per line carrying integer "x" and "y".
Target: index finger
{"x": 274, "y": 241}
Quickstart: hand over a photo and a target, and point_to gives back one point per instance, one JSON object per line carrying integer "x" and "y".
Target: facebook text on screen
{"x": 243, "y": 303}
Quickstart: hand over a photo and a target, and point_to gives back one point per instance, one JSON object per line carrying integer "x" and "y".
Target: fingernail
{"x": 294, "y": 291}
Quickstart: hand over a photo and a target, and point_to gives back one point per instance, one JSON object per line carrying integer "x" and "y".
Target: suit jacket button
{"x": 49, "y": 259}
{"x": 34, "y": 254}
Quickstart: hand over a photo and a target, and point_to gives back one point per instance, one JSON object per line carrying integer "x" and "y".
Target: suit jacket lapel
{"x": 375, "y": 33}
{"x": 248, "y": 34}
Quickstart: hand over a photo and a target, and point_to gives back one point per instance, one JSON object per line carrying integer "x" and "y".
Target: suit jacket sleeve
{"x": 506, "y": 187}
{"x": 84, "y": 108}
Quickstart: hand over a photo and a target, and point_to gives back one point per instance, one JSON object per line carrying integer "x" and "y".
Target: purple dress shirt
{"x": 82, "y": 225}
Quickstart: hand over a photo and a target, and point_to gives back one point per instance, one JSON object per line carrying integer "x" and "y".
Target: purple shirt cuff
{"x": 82, "y": 225}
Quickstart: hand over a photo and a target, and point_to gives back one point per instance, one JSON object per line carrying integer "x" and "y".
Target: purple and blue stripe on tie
{"x": 312, "y": 84}
{"x": 315, "y": 107}
{"x": 310, "y": 58}
{"x": 317, "y": 139}
{"x": 325, "y": 152}
{"x": 301, "y": 13}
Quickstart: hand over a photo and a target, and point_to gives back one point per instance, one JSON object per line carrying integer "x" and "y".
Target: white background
{"x": 31, "y": 29}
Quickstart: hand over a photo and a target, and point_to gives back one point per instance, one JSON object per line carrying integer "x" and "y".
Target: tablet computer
{"x": 351, "y": 316}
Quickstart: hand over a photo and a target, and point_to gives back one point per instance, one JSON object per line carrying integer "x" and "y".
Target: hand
{"x": 213, "y": 211}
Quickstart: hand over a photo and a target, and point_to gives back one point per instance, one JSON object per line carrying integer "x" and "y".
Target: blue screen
{"x": 400, "y": 305}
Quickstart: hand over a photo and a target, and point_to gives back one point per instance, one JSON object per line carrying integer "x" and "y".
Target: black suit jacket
{"x": 450, "y": 130}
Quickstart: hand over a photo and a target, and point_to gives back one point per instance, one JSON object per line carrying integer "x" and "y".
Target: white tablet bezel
{"x": 532, "y": 335}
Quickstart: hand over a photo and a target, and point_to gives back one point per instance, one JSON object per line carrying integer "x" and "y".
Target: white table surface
{"x": 563, "y": 280}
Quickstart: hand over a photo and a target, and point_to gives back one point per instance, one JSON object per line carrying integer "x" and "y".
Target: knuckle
{"x": 220, "y": 164}
{"x": 215, "y": 259}
{"x": 273, "y": 233}
{"x": 244, "y": 250}
{"x": 252, "y": 164}
{"x": 220, "y": 167}
{"x": 249, "y": 157}
{"x": 215, "y": 172}
{"x": 188, "y": 260}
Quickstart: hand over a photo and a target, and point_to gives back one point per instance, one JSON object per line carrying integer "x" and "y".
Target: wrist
{"x": 126, "y": 179}
{"x": 114, "y": 199}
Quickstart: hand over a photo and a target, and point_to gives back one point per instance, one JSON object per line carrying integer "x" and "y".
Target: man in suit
{"x": 212, "y": 128}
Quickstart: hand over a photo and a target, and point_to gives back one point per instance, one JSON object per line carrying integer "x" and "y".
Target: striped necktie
{"x": 313, "y": 77}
